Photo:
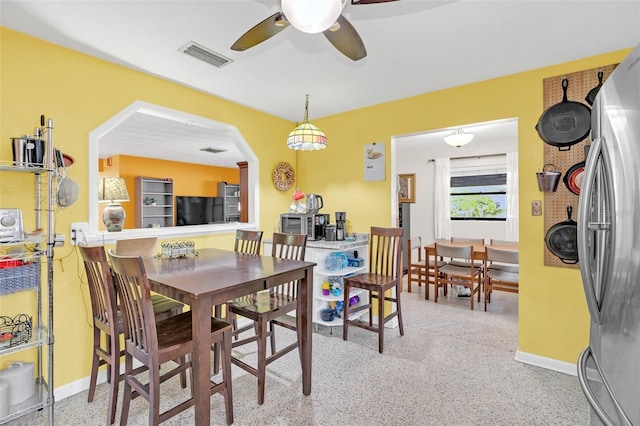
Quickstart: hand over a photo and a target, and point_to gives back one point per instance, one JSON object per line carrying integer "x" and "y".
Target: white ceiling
{"x": 413, "y": 46}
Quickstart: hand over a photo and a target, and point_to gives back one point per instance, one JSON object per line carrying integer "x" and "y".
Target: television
{"x": 198, "y": 210}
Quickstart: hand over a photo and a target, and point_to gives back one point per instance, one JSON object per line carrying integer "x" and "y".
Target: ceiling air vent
{"x": 198, "y": 51}
{"x": 213, "y": 150}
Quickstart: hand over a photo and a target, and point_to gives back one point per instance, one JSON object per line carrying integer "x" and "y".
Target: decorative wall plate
{"x": 283, "y": 176}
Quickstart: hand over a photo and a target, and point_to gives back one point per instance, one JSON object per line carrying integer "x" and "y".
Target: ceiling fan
{"x": 338, "y": 31}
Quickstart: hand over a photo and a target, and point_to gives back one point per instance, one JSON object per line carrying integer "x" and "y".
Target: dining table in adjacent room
{"x": 479, "y": 250}
{"x": 211, "y": 277}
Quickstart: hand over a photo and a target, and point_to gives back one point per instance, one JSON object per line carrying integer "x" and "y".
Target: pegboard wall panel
{"x": 556, "y": 203}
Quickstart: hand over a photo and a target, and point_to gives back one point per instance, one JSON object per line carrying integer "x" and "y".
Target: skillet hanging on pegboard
{"x": 565, "y": 123}
{"x": 573, "y": 178}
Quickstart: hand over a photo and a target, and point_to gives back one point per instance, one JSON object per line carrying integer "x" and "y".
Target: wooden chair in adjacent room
{"x": 416, "y": 265}
{"x": 503, "y": 243}
{"x": 107, "y": 320}
{"x": 154, "y": 344}
{"x": 268, "y": 309}
{"x": 147, "y": 248}
{"x": 459, "y": 269}
{"x": 420, "y": 269}
{"x": 385, "y": 274}
{"x": 501, "y": 272}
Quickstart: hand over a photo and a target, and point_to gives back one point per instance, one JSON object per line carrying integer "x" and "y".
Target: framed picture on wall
{"x": 407, "y": 188}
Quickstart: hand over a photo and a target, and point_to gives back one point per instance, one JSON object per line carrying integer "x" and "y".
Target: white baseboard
{"x": 82, "y": 385}
{"x": 78, "y": 386}
{"x": 548, "y": 363}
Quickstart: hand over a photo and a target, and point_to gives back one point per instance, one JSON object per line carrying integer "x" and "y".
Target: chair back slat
{"x": 101, "y": 289}
{"x": 414, "y": 243}
{"x": 143, "y": 247}
{"x": 507, "y": 243}
{"x": 135, "y": 296}
{"x": 288, "y": 246}
{"x": 248, "y": 241}
{"x": 385, "y": 251}
{"x": 477, "y": 241}
{"x": 454, "y": 251}
{"x": 502, "y": 255}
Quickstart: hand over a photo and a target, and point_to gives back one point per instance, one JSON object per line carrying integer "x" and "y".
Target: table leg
{"x": 201, "y": 359}
{"x": 305, "y": 306}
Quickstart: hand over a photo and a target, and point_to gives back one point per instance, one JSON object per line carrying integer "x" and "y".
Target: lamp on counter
{"x": 113, "y": 190}
{"x": 458, "y": 138}
{"x": 312, "y": 16}
{"x": 307, "y": 137}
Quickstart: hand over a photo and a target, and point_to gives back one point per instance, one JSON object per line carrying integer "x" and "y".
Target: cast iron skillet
{"x": 573, "y": 178}
{"x": 565, "y": 123}
{"x": 591, "y": 96}
{"x": 562, "y": 239}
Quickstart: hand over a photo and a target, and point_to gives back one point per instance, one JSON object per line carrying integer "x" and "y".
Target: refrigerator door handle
{"x": 586, "y": 388}
{"x": 586, "y": 192}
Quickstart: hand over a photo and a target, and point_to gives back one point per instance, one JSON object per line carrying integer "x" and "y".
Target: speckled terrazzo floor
{"x": 453, "y": 366}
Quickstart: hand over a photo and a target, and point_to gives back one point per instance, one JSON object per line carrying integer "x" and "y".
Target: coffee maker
{"x": 341, "y": 219}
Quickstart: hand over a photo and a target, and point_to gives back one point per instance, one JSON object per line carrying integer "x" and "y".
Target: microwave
{"x": 311, "y": 224}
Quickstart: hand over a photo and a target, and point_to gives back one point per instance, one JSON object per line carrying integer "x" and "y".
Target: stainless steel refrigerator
{"x": 609, "y": 249}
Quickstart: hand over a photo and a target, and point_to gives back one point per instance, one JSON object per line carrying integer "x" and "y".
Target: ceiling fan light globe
{"x": 312, "y": 16}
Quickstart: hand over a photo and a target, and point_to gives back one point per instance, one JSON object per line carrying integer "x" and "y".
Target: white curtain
{"x": 442, "y": 181}
{"x": 512, "y": 196}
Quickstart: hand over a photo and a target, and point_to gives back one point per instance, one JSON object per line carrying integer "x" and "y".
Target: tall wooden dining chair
{"x": 501, "y": 272}
{"x": 459, "y": 269}
{"x": 147, "y": 248}
{"x": 246, "y": 242}
{"x": 385, "y": 274}
{"x": 154, "y": 344}
{"x": 269, "y": 308}
{"x": 107, "y": 320}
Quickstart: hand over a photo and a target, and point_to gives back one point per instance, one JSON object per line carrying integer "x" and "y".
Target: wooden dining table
{"x": 215, "y": 276}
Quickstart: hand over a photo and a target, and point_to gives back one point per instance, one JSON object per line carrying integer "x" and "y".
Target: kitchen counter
{"x": 361, "y": 240}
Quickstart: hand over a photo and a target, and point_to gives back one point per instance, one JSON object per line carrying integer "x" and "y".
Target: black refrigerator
{"x": 404, "y": 222}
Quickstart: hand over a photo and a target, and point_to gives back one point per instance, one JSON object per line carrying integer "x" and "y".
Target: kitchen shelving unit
{"x": 321, "y": 274}
{"x": 230, "y": 194}
{"x": 317, "y": 251}
{"x": 32, "y": 252}
{"x": 159, "y": 212}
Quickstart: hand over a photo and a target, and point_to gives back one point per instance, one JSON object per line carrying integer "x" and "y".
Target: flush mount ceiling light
{"x": 458, "y": 138}
{"x": 312, "y": 16}
{"x": 307, "y": 137}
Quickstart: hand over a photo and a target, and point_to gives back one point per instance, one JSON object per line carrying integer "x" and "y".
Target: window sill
{"x": 167, "y": 232}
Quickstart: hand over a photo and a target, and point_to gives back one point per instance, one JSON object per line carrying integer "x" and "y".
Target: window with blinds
{"x": 478, "y": 197}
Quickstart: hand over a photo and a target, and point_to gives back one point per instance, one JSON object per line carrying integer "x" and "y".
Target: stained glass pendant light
{"x": 307, "y": 137}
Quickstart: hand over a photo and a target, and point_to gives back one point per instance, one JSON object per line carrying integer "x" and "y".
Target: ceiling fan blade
{"x": 369, "y": 1}
{"x": 261, "y": 32}
{"x": 347, "y": 40}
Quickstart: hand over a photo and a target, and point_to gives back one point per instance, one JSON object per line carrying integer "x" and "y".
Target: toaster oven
{"x": 11, "y": 228}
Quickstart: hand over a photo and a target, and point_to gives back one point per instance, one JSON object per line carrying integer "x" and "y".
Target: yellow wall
{"x": 80, "y": 93}
{"x": 553, "y": 318}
